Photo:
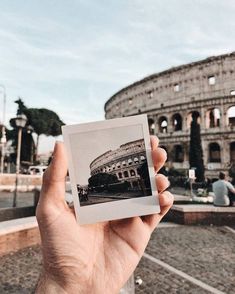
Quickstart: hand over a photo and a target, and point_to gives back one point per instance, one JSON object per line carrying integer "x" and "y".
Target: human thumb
{"x": 53, "y": 186}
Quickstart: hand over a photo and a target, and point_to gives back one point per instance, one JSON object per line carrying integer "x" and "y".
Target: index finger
{"x": 154, "y": 142}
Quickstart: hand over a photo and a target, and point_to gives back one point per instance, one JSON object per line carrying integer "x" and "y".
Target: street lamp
{"x": 3, "y": 138}
{"x": 20, "y": 122}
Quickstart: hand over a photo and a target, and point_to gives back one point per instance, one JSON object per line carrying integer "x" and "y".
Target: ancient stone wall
{"x": 206, "y": 88}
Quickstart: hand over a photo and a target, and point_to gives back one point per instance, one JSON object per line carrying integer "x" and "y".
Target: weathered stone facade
{"x": 122, "y": 162}
{"x": 170, "y": 97}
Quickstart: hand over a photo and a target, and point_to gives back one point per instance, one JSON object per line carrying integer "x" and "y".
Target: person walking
{"x": 221, "y": 189}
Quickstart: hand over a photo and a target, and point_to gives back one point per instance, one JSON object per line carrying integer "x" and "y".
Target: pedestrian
{"x": 221, "y": 189}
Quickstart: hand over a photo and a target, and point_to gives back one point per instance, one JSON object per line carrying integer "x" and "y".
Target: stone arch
{"x": 136, "y": 160}
{"x": 178, "y": 153}
{"x": 162, "y": 124}
{"x": 118, "y": 165}
{"x": 132, "y": 172}
{"x": 129, "y": 161}
{"x": 151, "y": 124}
{"x": 120, "y": 175}
{"x": 214, "y": 152}
{"x": 142, "y": 158}
{"x": 232, "y": 152}
{"x": 126, "y": 175}
{"x": 193, "y": 115}
{"x": 213, "y": 117}
{"x": 231, "y": 115}
{"x": 177, "y": 122}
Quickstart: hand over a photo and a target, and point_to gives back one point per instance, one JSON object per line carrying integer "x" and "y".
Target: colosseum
{"x": 122, "y": 162}
{"x": 204, "y": 88}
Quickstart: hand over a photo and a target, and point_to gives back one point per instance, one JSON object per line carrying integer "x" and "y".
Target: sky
{"x": 91, "y": 146}
{"x": 71, "y": 56}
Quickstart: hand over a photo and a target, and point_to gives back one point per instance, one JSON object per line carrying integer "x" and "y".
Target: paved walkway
{"x": 24, "y": 199}
{"x": 179, "y": 259}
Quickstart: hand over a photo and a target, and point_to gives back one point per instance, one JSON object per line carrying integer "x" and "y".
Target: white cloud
{"x": 71, "y": 57}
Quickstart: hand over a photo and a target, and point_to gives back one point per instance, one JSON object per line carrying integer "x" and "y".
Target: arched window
{"x": 132, "y": 172}
{"x": 231, "y": 116}
{"x": 120, "y": 175}
{"x": 232, "y": 152}
{"x": 162, "y": 124}
{"x": 136, "y": 160}
{"x": 126, "y": 175}
{"x": 151, "y": 126}
{"x": 142, "y": 158}
{"x": 232, "y": 92}
{"x": 124, "y": 163}
{"x": 118, "y": 165}
{"x": 214, "y": 152}
{"x": 193, "y": 115}
{"x": 213, "y": 118}
{"x": 178, "y": 153}
{"x": 177, "y": 122}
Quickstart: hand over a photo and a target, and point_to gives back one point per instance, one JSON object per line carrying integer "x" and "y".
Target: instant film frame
{"x": 101, "y": 134}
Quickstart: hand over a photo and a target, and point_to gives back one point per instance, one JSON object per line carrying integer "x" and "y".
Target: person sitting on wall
{"x": 221, "y": 189}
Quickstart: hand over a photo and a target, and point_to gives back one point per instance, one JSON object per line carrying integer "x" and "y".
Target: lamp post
{"x": 20, "y": 122}
{"x": 3, "y": 138}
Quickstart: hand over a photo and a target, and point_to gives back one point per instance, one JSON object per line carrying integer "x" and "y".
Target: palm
{"x": 106, "y": 252}
{"x": 95, "y": 258}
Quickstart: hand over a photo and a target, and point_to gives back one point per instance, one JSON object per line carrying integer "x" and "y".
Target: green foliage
{"x": 102, "y": 179}
{"x": 195, "y": 151}
{"x": 43, "y": 121}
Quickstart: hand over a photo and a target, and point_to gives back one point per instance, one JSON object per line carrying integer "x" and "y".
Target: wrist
{"x": 48, "y": 285}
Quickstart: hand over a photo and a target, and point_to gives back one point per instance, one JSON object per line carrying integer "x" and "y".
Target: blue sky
{"x": 71, "y": 56}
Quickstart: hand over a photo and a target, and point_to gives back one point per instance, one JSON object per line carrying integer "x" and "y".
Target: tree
{"x": 143, "y": 172}
{"x": 43, "y": 121}
{"x": 195, "y": 150}
{"x": 102, "y": 179}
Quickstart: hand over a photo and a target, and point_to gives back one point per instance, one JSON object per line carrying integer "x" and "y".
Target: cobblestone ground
{"x": 157, "y": 280}
{"x": 19, "y": 272}
{"x": 205, "y": 253}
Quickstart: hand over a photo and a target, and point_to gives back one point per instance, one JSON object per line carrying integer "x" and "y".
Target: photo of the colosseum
{"x": 205, "y": 89}
{"x": 116, "y": 169}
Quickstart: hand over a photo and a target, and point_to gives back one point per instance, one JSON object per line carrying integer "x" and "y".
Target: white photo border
{"x": 118, "y": 209}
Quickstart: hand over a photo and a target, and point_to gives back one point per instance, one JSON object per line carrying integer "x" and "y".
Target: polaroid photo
{"x": 111, "y": 170}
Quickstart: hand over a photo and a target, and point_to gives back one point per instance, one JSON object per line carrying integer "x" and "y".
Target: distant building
{"x": 122, "y": 162}
{"x": 207, "y": 88}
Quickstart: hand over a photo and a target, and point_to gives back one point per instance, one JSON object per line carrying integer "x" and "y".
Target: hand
{"x": 97, "y": 258}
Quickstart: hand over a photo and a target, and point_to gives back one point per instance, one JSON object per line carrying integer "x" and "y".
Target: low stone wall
{"x": 18, "y": 234}
{"x": 16, "y": 212}
{"x": 197, "y": 214}
{"x": 25, "y": 182}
